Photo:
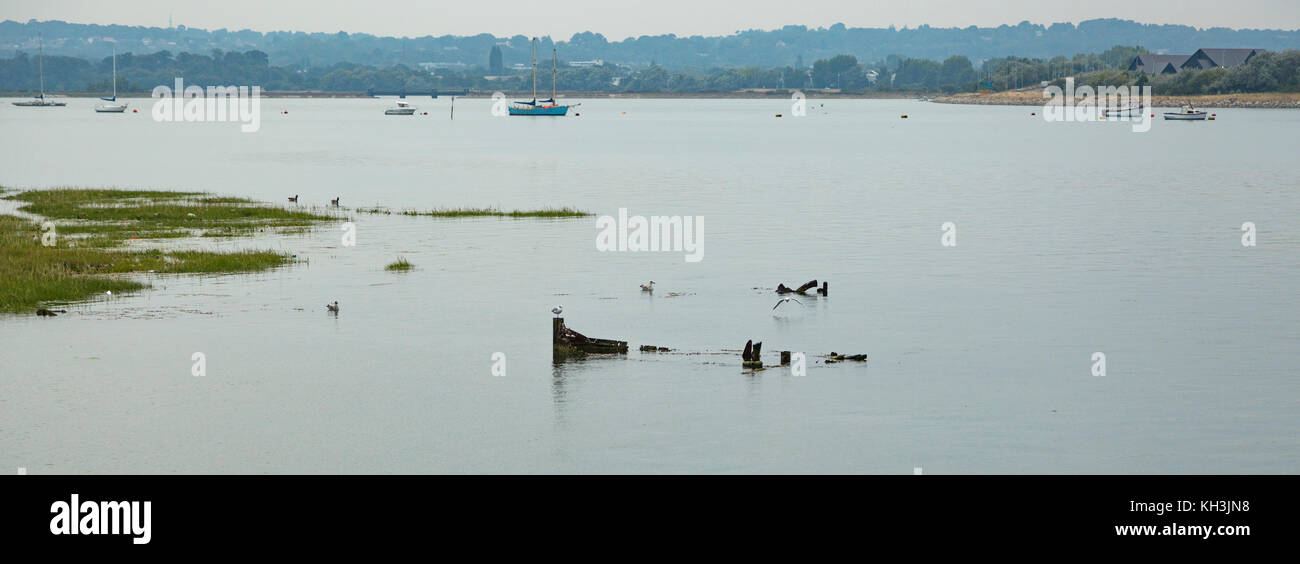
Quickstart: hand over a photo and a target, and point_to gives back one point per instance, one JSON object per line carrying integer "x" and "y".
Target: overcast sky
{"x": 618, "y": 19}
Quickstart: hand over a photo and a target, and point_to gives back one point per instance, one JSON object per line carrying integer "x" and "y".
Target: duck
{"x": 293, "y": 198}
{"x": 648, "y": 287}
{"x": 333, "y": 308}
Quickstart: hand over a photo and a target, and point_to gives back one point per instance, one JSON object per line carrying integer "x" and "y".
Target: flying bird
{"x": 557, "y": 310}
{"x": 648, "y": 287}
{"x": 334, "y": 307}
{"x": 783, "y": 300}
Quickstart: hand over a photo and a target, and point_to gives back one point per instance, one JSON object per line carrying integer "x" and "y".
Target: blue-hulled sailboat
{"x": 541, "y": 107}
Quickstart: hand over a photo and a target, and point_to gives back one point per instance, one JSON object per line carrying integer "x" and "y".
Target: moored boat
{"x": 1186, "y": 113}
{"x": 40, "y": 101}
{"x": 403, "y": 108}
{"x": 110, "y": 105}
{"x": 537, "y": 107}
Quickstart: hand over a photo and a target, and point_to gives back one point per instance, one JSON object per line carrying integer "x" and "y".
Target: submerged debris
{"x": 751, "y": 357}
{"x": 566, "y": 343}
{"x": 50, "y": 313}
{"x": 803, "y": 290}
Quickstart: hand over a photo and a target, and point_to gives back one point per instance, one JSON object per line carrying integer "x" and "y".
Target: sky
{"x": 619, "y": 19}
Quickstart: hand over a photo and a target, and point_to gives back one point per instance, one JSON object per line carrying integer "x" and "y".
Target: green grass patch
{"x": 494, "y": 212}
{"x": 91, "y": 224}
{"x": 399, "y": 265}
{"x": 118, "y": 215}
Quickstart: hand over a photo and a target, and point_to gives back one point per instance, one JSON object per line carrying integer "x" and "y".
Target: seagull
{"x": 557, "y": 310}
{"x": 783, "y": 300}
{"x": 648, "y": 287}
{"x": 294, "y": 198}
{"x": 334, "y": 307}
{"x": 335, "y": 202}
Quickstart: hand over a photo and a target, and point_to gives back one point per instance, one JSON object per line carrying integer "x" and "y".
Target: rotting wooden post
{"x": 826, "y": 288}
{"x": 557, "y": 329}
{"x": 785, "y": 358}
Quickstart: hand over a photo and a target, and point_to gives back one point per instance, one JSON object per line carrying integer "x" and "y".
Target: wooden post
{"x": 785, "y": 358}
{"x": 557, "y": 329}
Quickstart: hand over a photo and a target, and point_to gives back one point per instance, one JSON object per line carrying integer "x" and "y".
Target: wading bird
{"x": 648, "y": 287}
{"x": 783, "y": 300}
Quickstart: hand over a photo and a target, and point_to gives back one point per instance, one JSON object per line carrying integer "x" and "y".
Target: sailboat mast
{"x": 534, "y": 69}
{"x": 40, "y": 41}
{"x": 554, "y": 57}
{"x": 114, "y": 74}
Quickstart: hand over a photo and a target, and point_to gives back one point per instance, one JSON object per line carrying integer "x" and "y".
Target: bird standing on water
{"x": 783, "y": 300}
{"x": 333, "y": 308}
{"x": 557, "y": 310}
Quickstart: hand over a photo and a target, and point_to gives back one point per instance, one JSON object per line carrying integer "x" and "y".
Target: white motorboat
{"x": 403, "y": 108}
{"x": 1186, "y": 113}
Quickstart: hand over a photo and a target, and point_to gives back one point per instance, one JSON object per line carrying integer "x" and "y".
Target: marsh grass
{"x": 91, "y": 223}
{"x": 118, "y": 215}
{"x": 483, "y": 212}
{"x": 399, "y": 265}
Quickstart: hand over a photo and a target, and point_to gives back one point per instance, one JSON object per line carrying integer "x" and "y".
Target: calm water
{"x": 1071, "y": 239}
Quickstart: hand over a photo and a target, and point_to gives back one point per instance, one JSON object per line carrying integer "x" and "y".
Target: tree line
{"x": 773, "y": 48}
{"x": 894, "y": 73}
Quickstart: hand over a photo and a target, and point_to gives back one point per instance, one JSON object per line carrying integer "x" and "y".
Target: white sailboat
{"x": 40, "y": 101}
{"x": 110, "y": 105}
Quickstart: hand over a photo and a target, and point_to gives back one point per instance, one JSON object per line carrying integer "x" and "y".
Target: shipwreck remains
{"x": 567, "y": 343}
{"x": 750, "y": 358}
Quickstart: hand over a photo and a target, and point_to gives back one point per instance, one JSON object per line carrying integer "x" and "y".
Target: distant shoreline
{"x": 1284, "y": 100}
{"x": 575, "y": 95}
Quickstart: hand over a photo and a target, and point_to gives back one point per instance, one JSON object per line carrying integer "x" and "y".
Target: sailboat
{"x": 110, "y": 105}
{"x": 541, "y": 107}
{"x": 40, "y": 101}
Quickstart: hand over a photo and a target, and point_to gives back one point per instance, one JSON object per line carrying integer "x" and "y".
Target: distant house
{"x": 1158, "y": 64}
{"x": 1213, "y": 58}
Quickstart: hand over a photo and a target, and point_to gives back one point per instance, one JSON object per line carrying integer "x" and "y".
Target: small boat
{"x": 1131, "y": 111}
{"x": 40, "y": 101}
{"x": 541, "y": 107}
{"x": 1186, "y": 113}
{"x": 110, "y": 105}
{"x": 403, "y": 108}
